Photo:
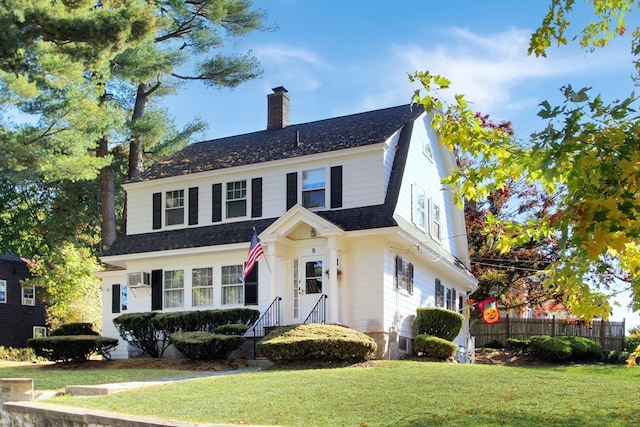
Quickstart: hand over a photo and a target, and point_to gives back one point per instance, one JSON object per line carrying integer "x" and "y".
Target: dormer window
{"x": 174, "y": 207}
{"x": 313, "y": 188}
{"x": 236, "y": 199}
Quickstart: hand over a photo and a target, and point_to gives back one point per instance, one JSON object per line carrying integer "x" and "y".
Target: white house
{"x": 354, "y": 223}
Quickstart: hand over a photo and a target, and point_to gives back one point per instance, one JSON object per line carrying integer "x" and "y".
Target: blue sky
{"x": 338, "y": 57}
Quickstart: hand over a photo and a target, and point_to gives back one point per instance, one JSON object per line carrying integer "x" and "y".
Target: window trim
{"x": 31, "y": 301}
{"x": 229, "y": 200}
{"x": 3, "y": 292}
{"x": 173, "y": 195}
{"x": 312, "y": 190}
{"x": 404, "y": 275}
{"x": 416, "y": 192}
{"x": 436, "y": 221}
{"x": 165, "y": 297}
{"x": 39, "y": 328}
{"x": 238, "y": 273}
{"x": 200, "y": 287}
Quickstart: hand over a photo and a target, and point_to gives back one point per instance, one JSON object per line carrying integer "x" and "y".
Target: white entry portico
{"x": 304, "y": 253}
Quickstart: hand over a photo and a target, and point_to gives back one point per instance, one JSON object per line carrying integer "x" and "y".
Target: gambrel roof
{"x": 323, "y": 136}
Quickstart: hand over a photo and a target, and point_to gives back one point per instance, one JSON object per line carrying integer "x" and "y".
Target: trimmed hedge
{"x": 631, "y": 343}
{"x": 549, "y": 348}
{"x": 67, "y": 348}
{"x": 583, "y": 348}
{"x": 149, "y": 331}
{"x": 436, "y": 347}
{"x": 203, "y": 345}
{"x": 317, "y": 341}
{"x": 78, "y": 328}
{"x": 439, "y": 322}
{"x": 234, "y": 329}
{"x": 518, "y": 345}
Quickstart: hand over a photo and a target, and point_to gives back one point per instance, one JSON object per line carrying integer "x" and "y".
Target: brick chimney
{"x": 277, "y": 108}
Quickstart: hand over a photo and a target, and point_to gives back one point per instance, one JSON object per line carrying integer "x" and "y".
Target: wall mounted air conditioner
{"x": 138, "y": 279}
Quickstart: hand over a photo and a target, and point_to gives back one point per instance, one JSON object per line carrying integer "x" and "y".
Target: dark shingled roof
{"x": 338, "y": 133}
{"x": 362, "y": 218}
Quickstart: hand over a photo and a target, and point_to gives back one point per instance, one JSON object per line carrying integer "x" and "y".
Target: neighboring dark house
{"x": 22, "y": 316}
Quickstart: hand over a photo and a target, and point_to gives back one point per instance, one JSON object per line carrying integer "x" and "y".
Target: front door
{"x": 310, "y": 284}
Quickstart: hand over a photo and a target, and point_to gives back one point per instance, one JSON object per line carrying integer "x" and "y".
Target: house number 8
{"x": 313, "y": 250}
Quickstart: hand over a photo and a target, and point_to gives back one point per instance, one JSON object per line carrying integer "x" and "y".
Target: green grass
{"x": 394, "y": 393}
{"x": 54, "y": 377}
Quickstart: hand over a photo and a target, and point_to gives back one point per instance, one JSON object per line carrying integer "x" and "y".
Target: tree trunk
{"x": 107, "y": 197}
{"x": 136, "y": 144}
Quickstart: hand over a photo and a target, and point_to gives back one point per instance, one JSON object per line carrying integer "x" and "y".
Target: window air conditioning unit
{"x": 138, "y": 279}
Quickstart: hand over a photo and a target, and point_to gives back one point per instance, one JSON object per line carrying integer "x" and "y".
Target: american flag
{"x": 255, "y": 250}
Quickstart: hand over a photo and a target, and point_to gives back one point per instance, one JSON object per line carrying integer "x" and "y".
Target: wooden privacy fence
{"x": 610, "y": 335}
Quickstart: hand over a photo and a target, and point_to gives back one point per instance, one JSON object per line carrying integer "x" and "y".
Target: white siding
{"x": 366, "y": 275}
{"x": 364, "y": 184}
{"x": 139, "y": 299}
{"x": 427, "y": 174}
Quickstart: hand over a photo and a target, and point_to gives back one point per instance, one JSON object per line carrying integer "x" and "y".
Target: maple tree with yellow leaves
{"x": 587, "y": 156}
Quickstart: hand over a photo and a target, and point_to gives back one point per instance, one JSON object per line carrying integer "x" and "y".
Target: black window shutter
{"x": 256, "y": 197}
{"x": 216, "y": 197}
{"x": 398, "y": 269}
{"x": 411, "y": 278}
{"x": 292, "y": 189}
{"x": 157, "y": 211}
{"x": 439, "y": 293}
{"x": 336, "y": 187}
{"x": 115, "y": 298}
{"x": 193, "y": 205}
{"x": 251, "y": 287}
{"x": 156, "y": 290}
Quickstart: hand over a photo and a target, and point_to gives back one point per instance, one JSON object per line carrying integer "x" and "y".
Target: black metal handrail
{"x": 269, "y": 319}
{"x": 318, "y": 312}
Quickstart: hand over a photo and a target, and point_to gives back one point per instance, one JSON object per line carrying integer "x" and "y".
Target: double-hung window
{"x": 435, "y": 221}
{"x": 232, "y": 286}
{"x": 404, "y": 275}
{"x": 28, "y": 295}
{"x": 174, "y": 207}
{"x": 313, "y": 188}
{"x": 419, "y": 207}
{"x": 236, "y": 199}
{"x": 202, "y": 287}
{"x": 174, "y": 288}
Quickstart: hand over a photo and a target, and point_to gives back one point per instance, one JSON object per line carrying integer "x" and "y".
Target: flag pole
{"x": 265, "y": 256}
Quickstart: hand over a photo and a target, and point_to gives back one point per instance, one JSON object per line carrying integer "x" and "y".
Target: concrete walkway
{"x": 104, "y": 389}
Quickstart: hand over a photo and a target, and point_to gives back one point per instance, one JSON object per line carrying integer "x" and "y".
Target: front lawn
{"x": 394, "y": 393}
{"x": 51, "y": 376}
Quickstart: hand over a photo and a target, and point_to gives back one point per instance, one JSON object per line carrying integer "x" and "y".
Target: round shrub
{"x": 517, "y": 345}
{"x": 78, "y": 328}
{"x": 65, "y": 348}
{"x": 583, "y": 348}
{"x": 203, "y": 345}
{"x": 549, "y": 348}
{"x": 438, "y": 322}
{"x": 495, "y": 344}
{"x": 317, "y": 341}
{"x": 631, "y": 343}
{"x": 430, "y": 346}
{"x": 231, "y": 329}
